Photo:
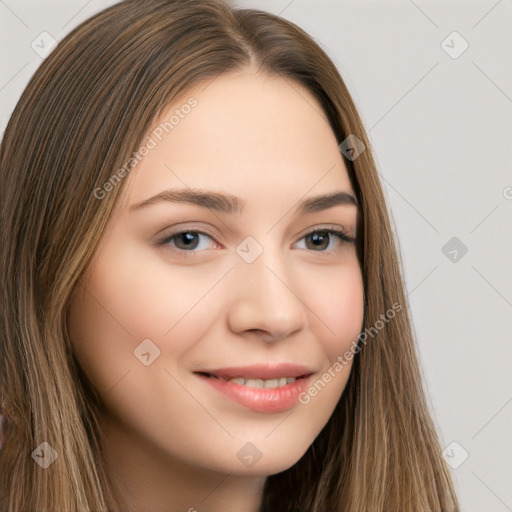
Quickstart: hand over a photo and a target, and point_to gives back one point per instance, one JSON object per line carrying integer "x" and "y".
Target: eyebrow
{"x": 230, "y": 204}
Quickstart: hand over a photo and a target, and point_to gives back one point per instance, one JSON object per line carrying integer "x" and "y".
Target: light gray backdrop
{"x": 433, "y": 83}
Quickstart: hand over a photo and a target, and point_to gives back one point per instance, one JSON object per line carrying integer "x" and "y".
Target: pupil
{"x": 318, "y": 239}
{"x": 188, "y": 239}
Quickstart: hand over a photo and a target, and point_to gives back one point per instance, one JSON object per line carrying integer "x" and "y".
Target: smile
{"x": 273, "y": 394}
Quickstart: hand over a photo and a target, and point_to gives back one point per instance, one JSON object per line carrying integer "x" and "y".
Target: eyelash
{"x": 341, "y": 235}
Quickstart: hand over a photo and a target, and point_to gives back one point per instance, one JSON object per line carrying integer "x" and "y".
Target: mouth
{"x": 264, "y": 388}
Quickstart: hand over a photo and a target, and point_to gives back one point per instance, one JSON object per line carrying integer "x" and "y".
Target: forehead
{"x": 247, "y": 133}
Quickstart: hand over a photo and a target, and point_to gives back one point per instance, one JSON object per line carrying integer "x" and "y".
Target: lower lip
{"x": 269, "y": 400}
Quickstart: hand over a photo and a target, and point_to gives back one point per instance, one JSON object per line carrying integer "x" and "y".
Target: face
{"x": 187, "y": 292}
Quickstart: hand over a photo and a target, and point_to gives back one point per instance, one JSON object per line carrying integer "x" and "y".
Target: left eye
{"x": 319, "y": 240}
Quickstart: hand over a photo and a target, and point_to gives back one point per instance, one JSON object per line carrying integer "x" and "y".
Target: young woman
{"x": 202, "y": 303}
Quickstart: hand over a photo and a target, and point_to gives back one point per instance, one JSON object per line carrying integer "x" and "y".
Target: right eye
{"x": 187, "y": 241}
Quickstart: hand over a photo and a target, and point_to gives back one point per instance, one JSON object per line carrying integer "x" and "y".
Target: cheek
{"x": 101, "y": 338}
{"x": 336, "y": 300}
{"x": 108, "y": 319}
{"x": 128, "y": 297}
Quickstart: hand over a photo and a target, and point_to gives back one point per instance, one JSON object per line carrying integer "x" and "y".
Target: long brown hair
{"x": 84, "y": 112}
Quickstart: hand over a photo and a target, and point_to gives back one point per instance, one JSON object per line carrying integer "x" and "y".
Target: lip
{"x": 261, "y": 371}
{"x": 265, "y": 400}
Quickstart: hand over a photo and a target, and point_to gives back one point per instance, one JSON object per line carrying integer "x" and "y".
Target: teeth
{"x": 254, "y": 383}
{"x": 260, "y": 383}
{"x": 271, "y": 383}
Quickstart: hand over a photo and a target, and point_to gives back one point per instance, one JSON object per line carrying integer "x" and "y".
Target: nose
{"x": 264, "y": 302}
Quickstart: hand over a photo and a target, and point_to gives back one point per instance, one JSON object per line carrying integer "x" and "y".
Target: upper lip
{"x": 261, "y": 371}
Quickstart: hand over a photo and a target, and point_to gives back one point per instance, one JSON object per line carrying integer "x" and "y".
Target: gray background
{"x": 440, "y": 126}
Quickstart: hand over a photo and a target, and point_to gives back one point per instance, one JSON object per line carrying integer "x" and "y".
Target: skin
{"x": 171, "y": 439}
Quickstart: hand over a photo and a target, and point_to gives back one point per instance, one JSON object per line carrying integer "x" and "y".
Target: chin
{"x": 272, "y": 461}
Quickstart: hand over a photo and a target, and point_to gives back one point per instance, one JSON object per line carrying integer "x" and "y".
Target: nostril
{"x": 265, "y": 335}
